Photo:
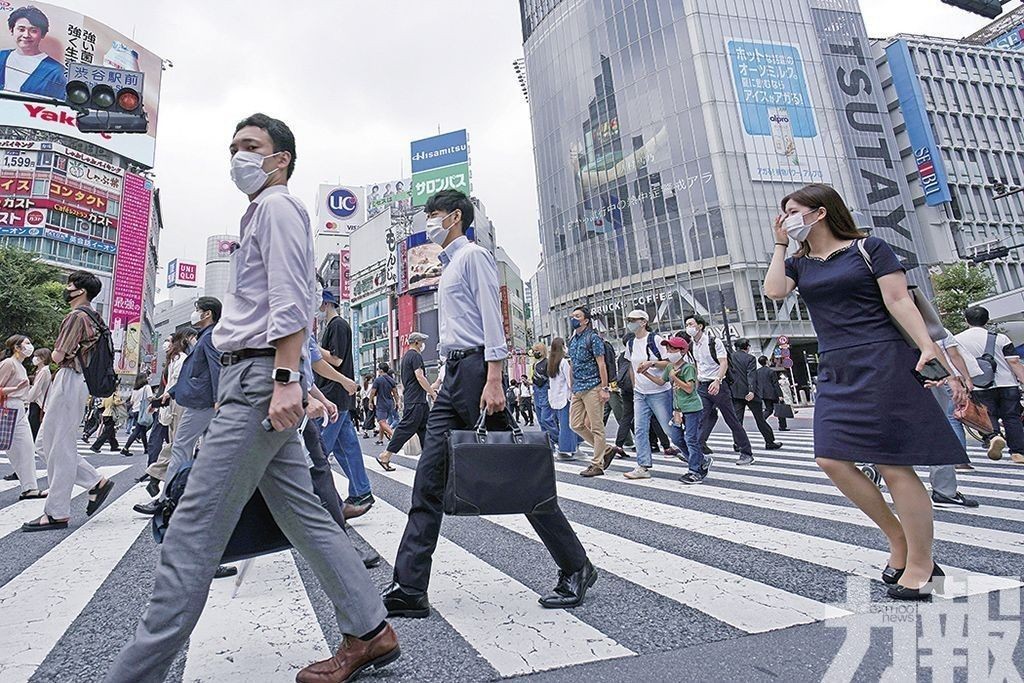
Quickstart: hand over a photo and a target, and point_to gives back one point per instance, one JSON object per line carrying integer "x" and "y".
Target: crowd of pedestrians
{"x": 259, "y": 390}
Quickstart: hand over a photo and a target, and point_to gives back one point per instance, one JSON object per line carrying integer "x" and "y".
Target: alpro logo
{"x": 778, "y": 118}
{"x": 342, "y": 203}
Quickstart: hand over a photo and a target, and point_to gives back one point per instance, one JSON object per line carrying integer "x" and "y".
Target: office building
{"x": 218, "y": 264}
{"x": 513, "y": 310}
{"x": 684, "y": 124}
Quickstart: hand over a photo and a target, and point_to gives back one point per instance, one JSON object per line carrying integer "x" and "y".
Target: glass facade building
{"x": 666, "y": 133}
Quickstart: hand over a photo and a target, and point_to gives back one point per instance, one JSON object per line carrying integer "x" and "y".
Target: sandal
{"x": 388, "y": 467}
{"x": 101, "y": 494}
{"x": 50, "y": 523}
{"x": 33, "y": 493}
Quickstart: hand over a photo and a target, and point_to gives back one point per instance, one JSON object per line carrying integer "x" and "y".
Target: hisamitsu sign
{"x": 439, "y": 151}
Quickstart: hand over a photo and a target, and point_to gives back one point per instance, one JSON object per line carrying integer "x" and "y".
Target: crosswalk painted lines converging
{"x": 266, "y": 628}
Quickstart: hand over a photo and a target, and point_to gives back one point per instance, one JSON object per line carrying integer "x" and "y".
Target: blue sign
{"x": 440, "y": 151}
{"x": 927, "y": 154}
{"x": 771, "y": 85}
{"x": 342, "y": 203}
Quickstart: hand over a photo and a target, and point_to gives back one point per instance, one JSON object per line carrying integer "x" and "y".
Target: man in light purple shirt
{"x": 263, "y": 332}
{"x": 472, "y": 338}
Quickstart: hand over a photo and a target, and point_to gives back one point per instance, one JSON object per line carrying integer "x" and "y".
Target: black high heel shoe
{"x": 891, "y": 575}
{"x": 935, "y": 583}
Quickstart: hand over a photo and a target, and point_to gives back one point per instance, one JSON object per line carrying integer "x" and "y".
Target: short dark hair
{"x": 584, "y": 309}
{"x": 450, "y": 200}
{"x": 697, "y": 319}
{"x": 45, "y": 354}
{"x": 742, "y": 344}
{"x": 211, "y": 304}
{"x": 83, "y": 279}
{"x": 34, "y": 15}
{"x": 384, "y": 367}
{"x": 763, "y": 360}
{"x": 279, "y": 132}
{"x": 976, "y": 316}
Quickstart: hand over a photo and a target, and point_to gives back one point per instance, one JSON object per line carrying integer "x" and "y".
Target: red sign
{"x": 63, "y": 191}
{"x": 406, "y": 318}
{"x": 11, "y": 186}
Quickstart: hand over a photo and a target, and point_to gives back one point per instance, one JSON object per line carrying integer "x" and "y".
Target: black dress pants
{"x": 769, "y": 410}
{"x": 758, "y": 410}
{"x": 414, "y": 421}
{"x": 626, "y": 423}
{"x": 320, "y": 472}
{"x": 458, "y": 407}
{"x": 108, "y": 434}
{"x": 35, "y": 418}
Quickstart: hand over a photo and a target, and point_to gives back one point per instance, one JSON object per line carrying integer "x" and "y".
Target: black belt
{"x": 462, "y": 353}
{"x": 232, "y": 357}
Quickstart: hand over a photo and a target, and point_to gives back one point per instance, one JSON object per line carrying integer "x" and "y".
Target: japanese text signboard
{"x": 130, "y": 272}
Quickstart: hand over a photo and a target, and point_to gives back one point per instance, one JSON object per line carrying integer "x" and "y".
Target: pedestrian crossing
{"x": 753, "y": 550}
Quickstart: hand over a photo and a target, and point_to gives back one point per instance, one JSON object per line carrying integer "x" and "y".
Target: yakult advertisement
{"x": 37, "y": 43}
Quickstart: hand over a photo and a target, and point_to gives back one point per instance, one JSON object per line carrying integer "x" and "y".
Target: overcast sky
{"x": 357, "y": 80}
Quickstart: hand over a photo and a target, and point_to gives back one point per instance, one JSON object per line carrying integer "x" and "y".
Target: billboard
{"x": 34, "y": 59}
{"x": 396, "y": 194}
{"x": 1005, "y": 33}
{"x": 927, "y": 155}
{"x": 182, "y": 274}
{"x": 421, "y": 264}
{"x": 780, "y": 130}
{"x": 340, "y": 209}
{"x": 130, "y": 272}
{"x": 345, "y": 275}
{"x": 440, "y": 163}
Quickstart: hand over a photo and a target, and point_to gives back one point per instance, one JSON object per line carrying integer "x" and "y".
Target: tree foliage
{"x": 31, "y": 297}
{"x": 957, "y": 287}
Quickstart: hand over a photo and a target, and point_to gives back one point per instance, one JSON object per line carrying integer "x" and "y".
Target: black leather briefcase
{"x": 499, "y": 473}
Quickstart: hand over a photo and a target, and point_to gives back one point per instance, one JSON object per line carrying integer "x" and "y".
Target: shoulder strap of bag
{"x": 652, "y": 347}
{"x": 990, "y": 344}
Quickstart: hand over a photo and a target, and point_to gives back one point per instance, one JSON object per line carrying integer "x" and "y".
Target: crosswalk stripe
{"x": 39, "y": 604}
{"x": 13, "y": 516}
{"x": 746, "y": 604}
{"x": 946, "y": 531}
{"x": 491, "y": 610}
{"x": 992, "y": 511}
{"x": 272, "y": 610}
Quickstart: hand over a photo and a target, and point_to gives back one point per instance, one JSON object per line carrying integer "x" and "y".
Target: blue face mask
{"x": 574, "y": 323}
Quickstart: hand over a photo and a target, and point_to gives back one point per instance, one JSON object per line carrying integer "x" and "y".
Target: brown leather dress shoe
{"x": 353, "y": 657}
{"x": 349, "y": 511}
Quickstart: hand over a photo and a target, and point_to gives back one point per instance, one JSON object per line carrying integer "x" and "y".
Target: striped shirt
{"x": 77, "y": 334}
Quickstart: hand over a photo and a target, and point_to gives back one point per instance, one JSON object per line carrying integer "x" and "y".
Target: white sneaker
{"x": 638, "y": 473}
{"x": 995, "y": 447}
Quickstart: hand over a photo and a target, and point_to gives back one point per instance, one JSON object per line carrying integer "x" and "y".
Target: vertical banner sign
{"x": 345, "y": 293}
{"x": 440, "y": 163}
{"x": 406, "y": 321}
{"x": 927, "y": 155}
{"x": 130, "y": 273}
{"x": 873, "y": 155}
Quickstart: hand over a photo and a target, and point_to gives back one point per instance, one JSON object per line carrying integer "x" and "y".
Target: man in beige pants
{"x": 590, "y": 391}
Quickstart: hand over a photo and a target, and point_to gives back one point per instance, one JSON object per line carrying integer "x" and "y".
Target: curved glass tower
{"x": 667, "y": 131}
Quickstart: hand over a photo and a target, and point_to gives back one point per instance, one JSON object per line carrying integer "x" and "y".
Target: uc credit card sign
{"x": 439, "y": 151}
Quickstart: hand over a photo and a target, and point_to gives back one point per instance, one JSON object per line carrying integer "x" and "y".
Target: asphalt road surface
{"x": 744, "y": 578}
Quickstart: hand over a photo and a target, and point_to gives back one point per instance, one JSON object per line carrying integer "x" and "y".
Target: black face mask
{"x": 68, "y": 296}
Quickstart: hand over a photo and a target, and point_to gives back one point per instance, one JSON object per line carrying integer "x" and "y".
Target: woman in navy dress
{"x": 870, "y": 407}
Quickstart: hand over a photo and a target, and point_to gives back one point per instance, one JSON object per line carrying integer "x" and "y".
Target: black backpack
{"x": 729, "y": 373}
{"x": 175, "y": 489}
{"x": 652, "y": 347}
{"x": 610, "y": 362}
{"x": 99, "y": 371}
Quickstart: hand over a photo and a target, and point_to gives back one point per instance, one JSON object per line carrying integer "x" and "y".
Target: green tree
{"x": 31, "y": 297}
{"x": 957, "y": 286}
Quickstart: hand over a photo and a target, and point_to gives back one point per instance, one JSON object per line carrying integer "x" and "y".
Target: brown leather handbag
{"x": 973, "y": 414}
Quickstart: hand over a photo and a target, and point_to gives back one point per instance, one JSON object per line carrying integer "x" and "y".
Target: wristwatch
{"x": 285, "y": 375}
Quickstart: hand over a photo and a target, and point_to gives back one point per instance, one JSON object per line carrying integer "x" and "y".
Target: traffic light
{"x": 986, "y": 8}
{"x": 108, "y": 100}
{"x": 991, "y": 254}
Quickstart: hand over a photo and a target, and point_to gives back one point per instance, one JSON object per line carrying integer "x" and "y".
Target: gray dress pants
{"x": 239, "y": 456}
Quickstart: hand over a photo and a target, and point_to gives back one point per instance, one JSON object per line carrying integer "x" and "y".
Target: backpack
{"x": 175, "y": 489}
{"x": 540, "y": 374}
{"x": 987, "y": 363}
{"x": 610, "y": 363}
{"x": 729, "y": 376}
{"x": 99, "y": 371}
{"x": 652, "y": 347}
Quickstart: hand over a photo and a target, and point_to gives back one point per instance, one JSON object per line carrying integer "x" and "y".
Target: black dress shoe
{"x": 150, "y": 508}
{"x": 891, "y": 575}
{"x": 371, "y": 558}
{"x": 13, "y": 476}
{"x": 153, "y": 487}
{"x": 402, "y": 603}
{"x": 571, "y": 588}
{"x": 224, "y": 571}
{"x": 705, "y": 449}
{"x": 773, "y": 446}
{"x": 366, "y": 499}
{"x": 898, "y": 592}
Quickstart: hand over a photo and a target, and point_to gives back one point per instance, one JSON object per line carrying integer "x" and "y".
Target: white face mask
{"x": 37, "y": 362}
{"x": 167, "y": 346}
{"x": 796, "y": 228}
{"x": 27, "y": 349}
{"x": 247, "y": 171}
{"x": 673, "y": 357}
{"x": 196, "y": 316}
{"x": 692, "y": 330}
{"x": 436, "y": 232}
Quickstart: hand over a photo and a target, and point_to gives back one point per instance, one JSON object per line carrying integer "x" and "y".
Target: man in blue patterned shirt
{"x": 589, "y": 390}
